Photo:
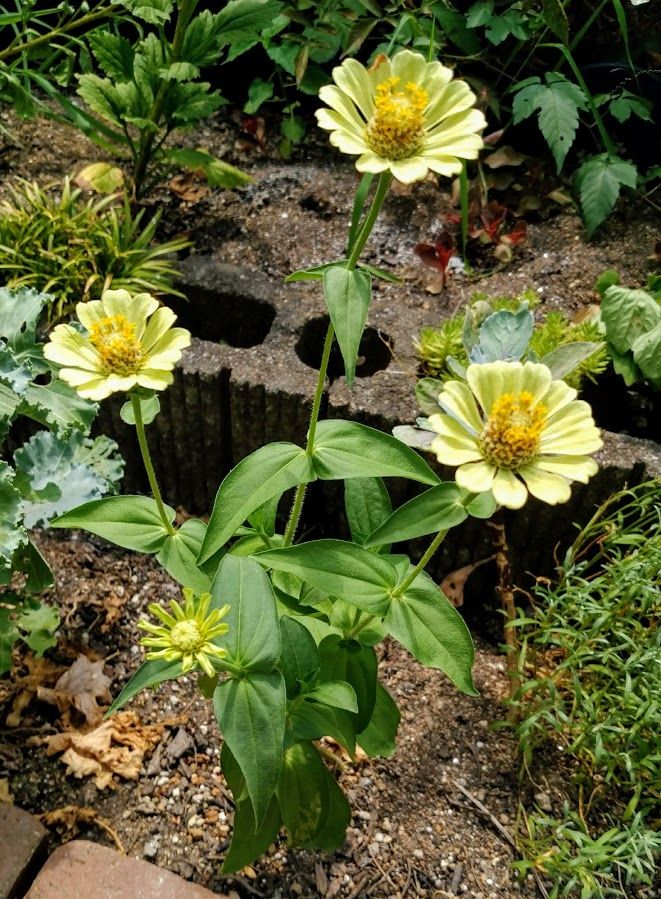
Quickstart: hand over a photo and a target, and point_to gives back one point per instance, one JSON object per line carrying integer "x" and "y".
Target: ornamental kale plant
{"x": 293, "y": 659}
{"x": 56, "y": 469}
{"x": 151, "y": 87}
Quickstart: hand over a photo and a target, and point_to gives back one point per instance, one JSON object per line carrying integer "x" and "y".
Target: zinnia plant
{"x": 129, "y": 342}
{"x": 513, "y": 430}
{"x": 404, "y": 115}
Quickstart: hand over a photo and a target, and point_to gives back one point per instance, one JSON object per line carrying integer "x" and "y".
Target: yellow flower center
{"x": 120, "y": 350}
{"x": 185, "y": 636}
{"x": 511, "y": 435}
{"x": 396, "y": 129}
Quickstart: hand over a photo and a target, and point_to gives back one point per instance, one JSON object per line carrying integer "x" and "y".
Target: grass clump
{"x": 593, "y": 683}
{"x": 54, "y": 240}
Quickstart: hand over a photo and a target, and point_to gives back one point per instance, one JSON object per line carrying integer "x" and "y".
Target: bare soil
{"x": 434, "y": 819}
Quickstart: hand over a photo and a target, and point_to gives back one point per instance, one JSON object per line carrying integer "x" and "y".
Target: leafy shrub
{"x": 55, "y": 469}
{"x": 58, "y": 243}
{"x": 631, "y": 320}
{"x": 592, "y": 685}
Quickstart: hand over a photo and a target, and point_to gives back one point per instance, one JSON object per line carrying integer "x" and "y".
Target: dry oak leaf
{"x": 40, "y": 672}
{"x": 116, "y": 747}
{"x": 78, "y": 689}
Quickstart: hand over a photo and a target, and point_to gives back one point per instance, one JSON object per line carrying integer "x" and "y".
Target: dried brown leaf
{"x": 40, "y": 672}
{"x": 78, "y": 690}
{"x": 188, "y": 187}
{"x": 453, "y": 584}
{"x": 69, "y": 818}
{"x": 5, "y": 795}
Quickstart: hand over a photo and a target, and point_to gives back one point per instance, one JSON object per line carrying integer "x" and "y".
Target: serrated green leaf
{"x": 12, "y": 533}
{"x": 258, "y": 93}
{"x": 558, "y": 106}
{"x": 241, "y": 20}
{"x": 251, "y": 715}
{"x": 348, "y": 294}
{"x": 647, "y": 355}
{"x": 266, "y": 473}
{"x": 154, "y": 12}
{"x": 113, "y": 53}
{"x": 348, "y": 449}
{"x": 132, "y": 522}
{"x": 627, "y": 104}
{"x": 58, "y": 407}
{"x": 627, "y": 315}
{"x": 29, "y": 560}
{"x": 38, "y": 623}
{"x": 19, "y": 315}
{"x": 598, "y": 182}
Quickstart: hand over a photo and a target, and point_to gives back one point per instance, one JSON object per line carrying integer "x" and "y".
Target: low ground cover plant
{"x": 591, "y": 686}
{"x": 70, "y": 248}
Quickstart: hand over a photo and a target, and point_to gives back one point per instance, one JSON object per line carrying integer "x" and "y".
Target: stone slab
{"x": 84, "y": 869}
{"x": 22, "y": 849}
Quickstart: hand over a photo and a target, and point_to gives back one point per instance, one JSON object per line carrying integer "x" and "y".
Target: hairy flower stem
{"x": 505, "y": 591}
{"x": 363, "y": 235}
{"x": 149, "y": 467}
{"x": 422, "y": 564}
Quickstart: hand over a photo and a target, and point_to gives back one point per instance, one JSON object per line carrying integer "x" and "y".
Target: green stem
{"x": 380, "y": 194}
{"x": 17, "y": 49}
{"x": 149, "y": 467}
{"x": 422, "y": 564}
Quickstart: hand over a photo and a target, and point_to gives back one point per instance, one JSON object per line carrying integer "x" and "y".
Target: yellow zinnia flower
{"x": 130, "y": 342}
{"x": 186, "y": 634}
{"x": 529, "y": 433}
{"x": 404, "y": 114}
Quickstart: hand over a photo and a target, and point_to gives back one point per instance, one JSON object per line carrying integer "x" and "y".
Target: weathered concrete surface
{"x": 84, "y": 869}
{"x": 22, "y": 850}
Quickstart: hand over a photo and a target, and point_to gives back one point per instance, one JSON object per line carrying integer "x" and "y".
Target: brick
{"x": 81, "y": 868}
{"x": 22, "y": 849}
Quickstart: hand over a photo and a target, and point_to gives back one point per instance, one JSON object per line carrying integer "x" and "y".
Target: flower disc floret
{"x": 404, "y": 115}
{"x": 129, "y": 342}
{"x": 510, "y": 428}
{"x": 187, "y": 634}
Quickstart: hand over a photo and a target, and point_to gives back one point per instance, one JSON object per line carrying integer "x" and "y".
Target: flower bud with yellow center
{"x": 396, "y": 128}
{"x": 511, "y": 436}
{"x": 185, "y": 636}
{"x": 114, "y": 338}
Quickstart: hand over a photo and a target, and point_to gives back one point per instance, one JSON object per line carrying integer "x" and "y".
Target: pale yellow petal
{"x": 451, "y": 451}
{"x": 409, "y": 170}
{"x": 486, "y": 382}
{"x": 455, "y": 97}
{"x": 455, "y": 127}
{"x": 557, "y": 397}
{"x": 90, "y": 313}
{"x": 457, "y": 400}
{"x": 157, "y": 326}
{"x": 341, "y": 104}
{"x": 508, "y": 490}
{"x": 443, "y": 165}
{"x": 550, "y": 488}
{"x": 349, "y": 143}
{"x": 476, "y": 477}
{"x": 370, "y": 162}
{"x": 168, "y": 347}
{"x": 154, "y": 379}
{"x": 67, "y": 347}
{"x": 576, "y": 468}
{"x": 352, "y": 78}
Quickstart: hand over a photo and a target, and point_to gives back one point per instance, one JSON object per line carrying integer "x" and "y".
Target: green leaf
{"x": 9, "y": 403}
{"x": 314, "y": 809}
{"x": 58, "y": 407}
{"x": 555, "y": 17}
{"x": 113, "y": 53}
{"x": 598, "y": 182}
{"x": 314, "y": 273}
{"x": 240, "y": 20}
{"x": 253, "y": 639}
{"x": 627, "y": 314}
{"x": 13, "y": 535}
{"x": 564, "y": 358}
{"x": 379, "y": 737}
{"x": 149, "y": 674}
{"x": 503, "y": 336}
{"x": 348, "y": 295}
{"x": 251, "y": 714}
{"x": 605, "y": 280}
{"x": 481, "y": 505}
{"x": 338, "y": 694}
{"x": 367, "y": 505}
{"x": 627, "y": 104}
{"x": 248, "y": 840}
{"x": 258, "y": 93}
{"x": 526, "y": 99}
{"x": 217, "y": 173}
{"x": 9, "y": 634}
{"x": 558, "y": 114}
{"x": 19, "y": 315}
{"x": 624, "y": 366}
{"x": 312, "y": 721}
{"x": 150, "y": 406}
{"x": 348, "y": 660}
{"x": 179, "y": 553}
{"x": 154, "y": 12}
{"x": 266, "y": 473}
{"x": 299, "y": 659}
{"x": 29, "y": 560}
{"x": 438, "y": 509}
{"x": 339, "y": 568}
{"x": 38, "y": 623}
{"x": 347, "y": 449}
{"x": 647, "y": 355}
{"x": 432, "y": 630}
{"x": 132, "y": 522}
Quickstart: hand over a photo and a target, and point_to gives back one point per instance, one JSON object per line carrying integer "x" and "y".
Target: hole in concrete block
{"x": 373, "y": 354}
{"x": 239, "y": 321}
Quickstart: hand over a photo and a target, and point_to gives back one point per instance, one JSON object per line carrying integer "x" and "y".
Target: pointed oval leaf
{"x": 438, "y": 509}
{"x": 348, "y": 294}
{"x": 132, "y": 522}
{"x": 149, "y": 674}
